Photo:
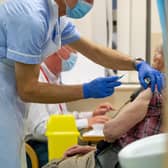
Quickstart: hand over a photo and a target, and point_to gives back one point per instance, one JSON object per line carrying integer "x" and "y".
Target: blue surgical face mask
{"x": 69, "y": 63}
{"x": 81, "y": 9}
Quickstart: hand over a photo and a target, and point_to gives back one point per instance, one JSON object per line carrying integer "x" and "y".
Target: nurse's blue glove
{"x": 100, "y": 87}
{"x": 149, "y": 76}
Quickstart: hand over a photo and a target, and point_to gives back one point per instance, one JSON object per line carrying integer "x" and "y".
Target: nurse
{"x": 31, "y": 30}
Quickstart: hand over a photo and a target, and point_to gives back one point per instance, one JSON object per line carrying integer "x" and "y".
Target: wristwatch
{"x": 136, "y": 61}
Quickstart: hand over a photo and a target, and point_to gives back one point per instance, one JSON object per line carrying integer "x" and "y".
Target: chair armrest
{"x": 32, "y": 155}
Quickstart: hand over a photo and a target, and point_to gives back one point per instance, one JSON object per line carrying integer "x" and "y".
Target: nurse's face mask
{"x": 81, "y": 8}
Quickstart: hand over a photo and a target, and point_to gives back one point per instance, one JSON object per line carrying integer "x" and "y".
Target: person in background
{"x": 139, "y": 118}
{"x": 30, "y": 31}
{"x": 38, "y": 114}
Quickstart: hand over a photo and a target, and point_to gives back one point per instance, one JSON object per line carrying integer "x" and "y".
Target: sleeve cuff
{"x": 82, "y": 123}
{"x": 70, "y": 40}
{"x": 39, "y": 131}
{"x": 23, "y": 58}
{"x": 85, "y": 115}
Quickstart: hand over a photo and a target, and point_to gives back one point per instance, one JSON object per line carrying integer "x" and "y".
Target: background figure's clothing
{"x": 150, "y": 125}
{"x": 29, "y": 31}
{"x": 39, "y": 113}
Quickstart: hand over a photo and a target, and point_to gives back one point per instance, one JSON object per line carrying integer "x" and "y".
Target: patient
{"x": 63, "y": 60}
{"x": 140, "y": 118}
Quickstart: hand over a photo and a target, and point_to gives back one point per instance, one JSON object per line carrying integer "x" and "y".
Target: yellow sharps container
{"x": 62, "y": 133}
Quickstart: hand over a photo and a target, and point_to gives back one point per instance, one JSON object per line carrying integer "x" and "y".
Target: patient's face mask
{"x": 81, "y": 8}
{"x": 68, "y": 64}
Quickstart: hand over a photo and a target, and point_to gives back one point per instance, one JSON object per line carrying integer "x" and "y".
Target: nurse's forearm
{"x": 104, "y": 56}
{"x": 31, "y": 90}
{"x": 48, "y": 93}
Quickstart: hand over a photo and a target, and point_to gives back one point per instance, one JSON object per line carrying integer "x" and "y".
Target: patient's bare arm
{"x": 128, "y": 117}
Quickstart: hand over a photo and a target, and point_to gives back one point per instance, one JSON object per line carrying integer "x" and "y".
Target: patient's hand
{"x": 77, "y": 149}
{"x": 102, "y": 109}
{"x": 98, "y": 119}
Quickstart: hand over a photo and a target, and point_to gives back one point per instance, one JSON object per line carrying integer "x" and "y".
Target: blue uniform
{"x": 30, "y": 30}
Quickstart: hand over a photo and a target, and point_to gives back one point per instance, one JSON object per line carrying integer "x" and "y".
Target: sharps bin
{"x": 62, "y": 133}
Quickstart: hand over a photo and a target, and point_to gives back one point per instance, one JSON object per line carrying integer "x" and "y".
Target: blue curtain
{"x": 163, "y": 12}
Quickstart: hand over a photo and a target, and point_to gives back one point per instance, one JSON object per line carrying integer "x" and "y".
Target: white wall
{"x": 132, "y": 31}
{"x": 84, "y": 71}
{"x": 123, "y": 26}
{"x": 155, "y": 27}
{"x": 92, "y": 26}
{"x": 132, "y": 27}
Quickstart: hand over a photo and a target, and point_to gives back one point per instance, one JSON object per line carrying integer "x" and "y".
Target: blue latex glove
{"x": 100, "y": 87}
{"x": 155, "y": 77}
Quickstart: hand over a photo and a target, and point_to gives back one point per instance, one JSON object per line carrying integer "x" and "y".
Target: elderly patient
{"x": 63, "y": 60}
{"x": 139, "y": 118}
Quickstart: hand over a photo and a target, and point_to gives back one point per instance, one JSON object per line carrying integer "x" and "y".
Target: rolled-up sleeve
{"x": 24, "y": 40}
{"x": 69, "y": 32}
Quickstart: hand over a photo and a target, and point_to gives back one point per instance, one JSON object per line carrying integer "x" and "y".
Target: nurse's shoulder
{"x": 25, "y": 27}
{"x": 25, "y": 10}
